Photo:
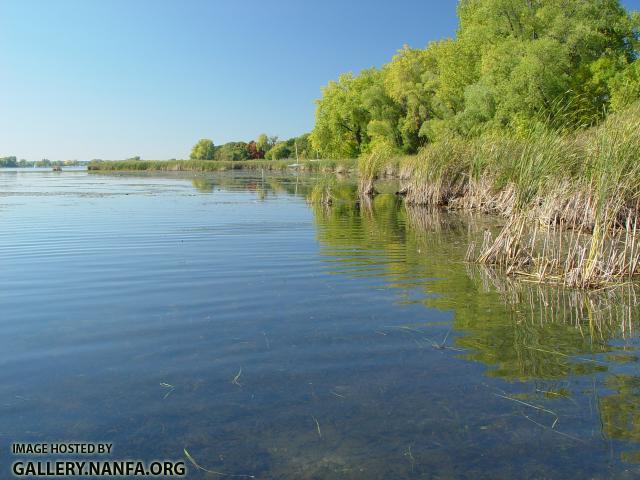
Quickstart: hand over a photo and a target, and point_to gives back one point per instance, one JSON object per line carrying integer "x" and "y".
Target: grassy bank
{"x": 545, "y": 185}
{"x": 338, "y": 166}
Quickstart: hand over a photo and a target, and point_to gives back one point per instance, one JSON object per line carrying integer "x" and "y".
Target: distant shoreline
{"x": 336, "y": 166}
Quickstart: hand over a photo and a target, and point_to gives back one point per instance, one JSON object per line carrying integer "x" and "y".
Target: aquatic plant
{"x": 545, "y": 184}
{"x": 328, "y": 190}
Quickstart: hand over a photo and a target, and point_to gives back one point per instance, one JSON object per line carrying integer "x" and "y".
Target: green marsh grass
{"x": 340, "y": 166}
{"x": 544, "y": 184}
{"x": 329, "y": 190}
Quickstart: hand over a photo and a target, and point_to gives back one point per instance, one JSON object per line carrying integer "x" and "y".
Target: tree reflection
{"x": 538, "y": 336}
{"x": 523, "y": 332}
{"x": 203, "y": 184}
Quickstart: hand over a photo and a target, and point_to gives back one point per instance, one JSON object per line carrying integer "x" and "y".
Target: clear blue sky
{"x": 84, "y": 79}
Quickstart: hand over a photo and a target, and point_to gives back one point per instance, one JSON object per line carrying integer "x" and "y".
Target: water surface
{"x": 225, "y": 315}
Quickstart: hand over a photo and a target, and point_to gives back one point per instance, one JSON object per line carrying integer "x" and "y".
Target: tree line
{"x": 13, "y": 162}
{"x": 264, "y": 147}
{"x": 515, "y": 67}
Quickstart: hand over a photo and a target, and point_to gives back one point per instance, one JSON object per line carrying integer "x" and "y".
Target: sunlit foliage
{"x": 203, "y": 150}
{"x": 515, "y": 66}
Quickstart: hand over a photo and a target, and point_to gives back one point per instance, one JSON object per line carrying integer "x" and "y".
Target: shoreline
{"x": 199, "y": 166}
{"x": 586, "y": 184}
{"x": 545, "y": 185}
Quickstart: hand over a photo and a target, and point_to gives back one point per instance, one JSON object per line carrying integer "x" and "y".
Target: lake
{"x": 226, "y": 315}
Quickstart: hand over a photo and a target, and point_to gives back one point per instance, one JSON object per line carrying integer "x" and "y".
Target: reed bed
{"x": 336, "y": 166}
{"x": 604, "y": 313}
{"x": 381, "y": 162}
{"x": 544, "y": 184}
{"x": 329, "y": 190}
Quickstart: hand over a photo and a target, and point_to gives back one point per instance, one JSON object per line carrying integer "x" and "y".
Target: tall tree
{"x": 341, "y": 116}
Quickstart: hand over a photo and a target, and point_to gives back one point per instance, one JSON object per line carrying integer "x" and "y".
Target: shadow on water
{"x": 274, "y": 336}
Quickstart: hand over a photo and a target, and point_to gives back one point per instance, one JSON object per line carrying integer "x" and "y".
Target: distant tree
{"x": 233, "y": 151}
{"x": 305, "y": 148}
{"x": 279, "y": 151}
{"x": 134, "y": 159}
{"x": 264, "y": 143}
{"x": 8, "y": 162}
{"x": 203, "y": 150}
{"x": 253, "y": 151}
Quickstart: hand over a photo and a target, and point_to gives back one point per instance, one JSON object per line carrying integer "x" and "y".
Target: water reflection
{"x": 203, "y": 184}
{"x": 545, "y": 337}
{"x": 570, "y": 353}
{"x": 568, "y": 357}
{"x": 366, "y": 346}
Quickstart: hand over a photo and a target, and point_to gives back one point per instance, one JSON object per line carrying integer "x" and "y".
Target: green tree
{"x": 279, "y": 151}
{"x": 304, "y": 146}
{"x": 544, "y": 61}
{"x": 411, "y": 80}
{"x": 625, "y": 86}
{"x": 264, "y": 143}
{"x": 342, "y": 117}
{"x": 8, "y": 162}
{"x": 233, "y": 151}
{"x": 515, "y": 65}
{"x": 203, "y": 150}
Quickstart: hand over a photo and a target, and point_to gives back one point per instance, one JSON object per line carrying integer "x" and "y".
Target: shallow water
{"x": 224, "y": 315}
